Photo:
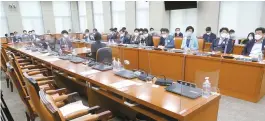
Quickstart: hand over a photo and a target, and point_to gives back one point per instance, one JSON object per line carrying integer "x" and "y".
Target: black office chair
{"x": 104, "y": 55}
{"x": 5, "y": 113}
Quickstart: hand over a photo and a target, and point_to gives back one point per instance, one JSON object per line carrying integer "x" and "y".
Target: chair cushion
{"x": 73, "y": 107}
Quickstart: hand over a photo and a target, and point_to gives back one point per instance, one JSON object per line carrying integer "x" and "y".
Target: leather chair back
{"x": 104, "y": 55}
{"x": 178, "y": 42}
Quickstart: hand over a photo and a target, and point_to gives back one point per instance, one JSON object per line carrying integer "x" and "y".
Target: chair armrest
{"x": 44, "y": 78}
{"x": 36, "y": 72}
{"x": 45, "y": 82}
{"x": 23, "y": 60}
{"x": 35, "y": 69}
{"x": 104, "y": 115}
{"x": 29, "y": 66}
{"x": 24, "y": 63}
{"x": 60, "y": 91}
{"x": 81, "y": 113}
{"x": 64, "y": 97}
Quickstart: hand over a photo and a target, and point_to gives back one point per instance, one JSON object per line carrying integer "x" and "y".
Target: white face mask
{"x": 208, "y": 33}
{"x": 188, "y": 33}
{"x": 146, "y": 35}
{"x": 224, "y": 35}
{"x": 164, "y": 35}
{"x": 121, "y": 35}
{"x": 65, "y": 35}
{"x": 177, "y": 32}
{"x": 87, "y": 34}
{"x": 258, "y": 37}
{"x": 250, "y": 38}
{"x": 25, "y": 32}
{"x": 136, "y": 34}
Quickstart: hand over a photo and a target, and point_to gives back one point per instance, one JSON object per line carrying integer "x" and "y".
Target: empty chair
{"x": 74, "y": 110}
{"x": 104, "y": 55}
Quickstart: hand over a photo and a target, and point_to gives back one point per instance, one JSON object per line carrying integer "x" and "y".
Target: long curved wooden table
{"x": 243, "y": 80}
{"x": 152, "y": 101}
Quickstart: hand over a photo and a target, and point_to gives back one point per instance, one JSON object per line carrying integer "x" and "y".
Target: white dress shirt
{"x": 256, "y": 49}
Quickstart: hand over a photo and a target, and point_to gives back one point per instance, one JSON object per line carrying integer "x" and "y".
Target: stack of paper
{"x": 122, "y": 84}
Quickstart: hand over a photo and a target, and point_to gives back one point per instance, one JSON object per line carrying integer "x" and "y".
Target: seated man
{"x": 96, "y": 45}
{"x": 190, "y": 41}
{"x": 169, "y": 39}
{"x": 65, "y": 41}
{"x": 25, "y": 37}
{"x": 256, "y": 45}
{"x": 87, "y": 36}
{"x": 178, "y": 33}
{"x": 50, "y": 40}
{"x": 209, "y": 36}
{"x": 123, "y": 37}
{"x": 148, "y": 39}
{"x": 17, "y": 37}
{"x": 223, "y": 44}
{"x": 136, "y": 37}
{"x": 112, "y": 34}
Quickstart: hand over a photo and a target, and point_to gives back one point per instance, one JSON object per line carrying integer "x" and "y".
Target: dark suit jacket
{"x": 125, "y": 39}
{"x": 249, "y": 46}
{"x": 135, "y": 41}
{"x": 94, "y": 48}
{"x": 221, "y": 47}
{"x": 162, "y": 41}
{"x": 209, "y": 38}
{"x": 149, "y": 40}
{"x": 112, "y": 36}
{"x": 178, "y": 35}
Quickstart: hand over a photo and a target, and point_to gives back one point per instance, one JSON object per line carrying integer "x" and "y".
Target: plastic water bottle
{"x": 109, "y": 42}
{"x": 206, "y": 88}
{"x": 119, "y": 66}
{"x": 60, "y": 52}
{"x": 260, "y": 57}
{"x": 113, "y": 41}
{"x": 114, "y": 64}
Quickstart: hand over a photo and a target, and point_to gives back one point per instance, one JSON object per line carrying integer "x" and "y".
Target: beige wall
{"x": 89, "y": 13}
{"x": 75, "y": 16}
{"x": 262, "y": 22}
{"x": 158, "y": 16}
{"x": 13, "y": 17}
{"x": 107, "y": 15}
{"x": 130, "y": 16}
{"x": 208, "y": 16}
{"x": 48, "y": 17}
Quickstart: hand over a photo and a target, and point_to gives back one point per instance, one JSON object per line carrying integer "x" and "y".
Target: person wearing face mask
{"x": 168, "y": 39}
{"x": 17, "y": 37}
{"x": 96, "y": 45}
{"x": 256, "y": 45}
{"x": 209, "y": 36}
{"x": 190, "y": 40}
{"x": 65, "y": 41}
{"x": 50, "y": 40}
{"x": 147, "y": 38}
{"x": 25, "y": 37}
{"x": 87, "y": 35}
{"x": 233, "y": 36}
{"x": 223, "y": 44}
{"x": 123, "y": 37}
{"x": 11, "y": 38}
{"x": 34, "y": 35}
{"x": 178, "y": 33}
{"x": 112, "y": 35}
{"x": 249, "y": 38}
{"x": 152, "y": 31}
{"x": 136, "y": 38}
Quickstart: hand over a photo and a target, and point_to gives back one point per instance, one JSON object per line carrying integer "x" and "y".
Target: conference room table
{"x": 243, "y": 80}
{"x": 149, "y": 99}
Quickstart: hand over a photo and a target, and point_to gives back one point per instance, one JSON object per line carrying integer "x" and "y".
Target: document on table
{"x": 122, "y": 84}
{"x": 85, "y": 73}
{"x": 52, "y": 59}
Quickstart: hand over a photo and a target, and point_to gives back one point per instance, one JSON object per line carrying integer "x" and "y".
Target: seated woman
{"x": 96, "y": 45}
{"x": 65, "y": 41}
{"x": 223, "y": 44}
{"x": 249, "y": 38}
{"x": 255, "y": 46}
{"x": 123, "y": 37}
{"x": 190, "y": 41}
{"x": 50, "y": 40}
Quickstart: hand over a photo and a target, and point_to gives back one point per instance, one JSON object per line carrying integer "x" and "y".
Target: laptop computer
{"x": 126, "y": 74}
{"x": 102, "y": 67}
{"x": 184, "y": 90}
